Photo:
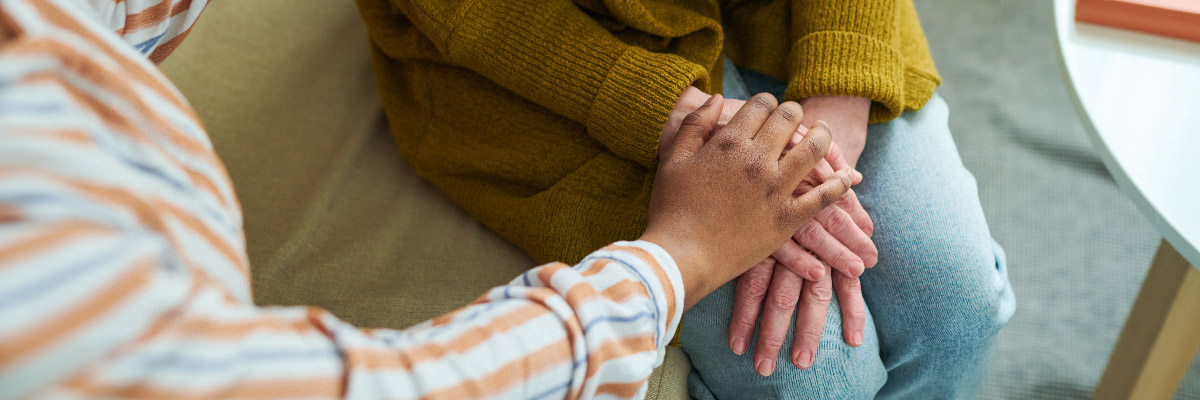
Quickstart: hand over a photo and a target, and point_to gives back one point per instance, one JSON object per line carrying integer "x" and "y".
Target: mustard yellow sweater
{"x": 541, "y": 118}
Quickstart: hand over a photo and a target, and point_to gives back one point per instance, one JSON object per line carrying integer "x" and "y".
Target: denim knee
{"x": 971, "y": 303}
{"x": 940, "y": 326}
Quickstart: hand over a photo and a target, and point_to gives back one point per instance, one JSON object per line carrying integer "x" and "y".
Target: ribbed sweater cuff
{"x": 848, "y": 64}
{"x": 651, "y": 81}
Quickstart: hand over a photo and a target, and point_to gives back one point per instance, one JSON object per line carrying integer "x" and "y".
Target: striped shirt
{"x": 123, "y": 270}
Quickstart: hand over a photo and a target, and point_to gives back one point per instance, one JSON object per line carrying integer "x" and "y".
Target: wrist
{"x": 692, "y": 265}
{"x": 847, "y": 118}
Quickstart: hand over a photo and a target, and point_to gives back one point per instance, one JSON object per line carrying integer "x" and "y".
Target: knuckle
{"x": 753, "y": 287}
{"x": 754, "y": 167}
{"x": 820, "y": 293}
{"x": 846, "y": 201}
{"x": 785, "y": 219}
{"x": 838, "y": 222}
{"x": 810, "y": 335}
{"x": 728, "y": 143}
{"x": 809, "y": 234}
{"x": 770, "y": 341}
{"x": 781, "y": 303}
{"x": 693, "y": 121}
{"x": 742, "y": 325}
{"x": 809, "y": 149}
{"x": 856, "y": 314}
{"x": 852, "y": 285}
{"x": 789, "y": 111}
{"x": 826, "y": 196}
{"x": 798, "y": 262}
{"x": 762, "y": 101}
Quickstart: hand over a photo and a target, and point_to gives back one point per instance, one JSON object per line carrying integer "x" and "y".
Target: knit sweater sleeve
{"x": 865, "y": 48}
{"x": 556, "y": 55}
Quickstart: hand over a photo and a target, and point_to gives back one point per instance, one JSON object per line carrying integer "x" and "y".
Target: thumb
{"x": 697, "y": 127}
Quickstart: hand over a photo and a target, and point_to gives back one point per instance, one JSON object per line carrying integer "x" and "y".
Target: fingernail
{"x": 765, "y": 367}
{"x": 857, "y": 175}
{"x": 857, "y": 269}
{"x": 803, "y": 360}
{"x": 712, "y": 99}
{"x": 738, "y": 345}
{"x": 815, "y": 274}
{"x": 856, "y": 339}
{"x": 823, "y": 124}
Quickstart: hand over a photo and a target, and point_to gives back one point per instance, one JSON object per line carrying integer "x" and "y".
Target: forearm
{"x": 598, "y": 328}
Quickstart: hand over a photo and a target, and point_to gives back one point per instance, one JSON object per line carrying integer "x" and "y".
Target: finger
{"x": 822, "y": 171}
{"x": 728, "y": 110}
{"x": 854, "y": 311}
{"x": 670, "y": 129}
{"x": 810, "y": 320}
{"x": 837, "y": 159}
{"x": 798, "y": 136}
{"x": 801, "y": 159}
{"x": 799, "y": 261}
{"x": 747, "y": 302}
{"x": 778, "y": 308}
{"x": 696, "y": 127}
{"x": 777, "y": 130}
{"x": 828, "y": 249}
{"x": 849, "y": 202}
{"x": 841, "y": 226}
{"x": 813, "y": 201}
{"x": 750, "y": 117}
{"x": 824, "y": 168}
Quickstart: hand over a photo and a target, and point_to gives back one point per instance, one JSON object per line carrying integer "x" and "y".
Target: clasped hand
{"x": 837, "y": 238}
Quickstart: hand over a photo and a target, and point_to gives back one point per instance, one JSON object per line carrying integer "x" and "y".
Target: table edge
{"x": 1124, "y": 182}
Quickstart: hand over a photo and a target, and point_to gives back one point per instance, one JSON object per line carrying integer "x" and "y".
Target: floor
{"x": 1078, "y": 249}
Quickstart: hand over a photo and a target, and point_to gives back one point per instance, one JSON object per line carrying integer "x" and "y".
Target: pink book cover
{"x": 1172, "y": 18}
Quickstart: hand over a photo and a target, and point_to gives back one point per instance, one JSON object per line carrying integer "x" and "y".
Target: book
{"x": 1172, "y": 18}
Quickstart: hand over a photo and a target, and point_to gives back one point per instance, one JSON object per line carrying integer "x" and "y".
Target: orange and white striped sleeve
{"x": 123, "y": 271}
{"x": 153, "y": 27}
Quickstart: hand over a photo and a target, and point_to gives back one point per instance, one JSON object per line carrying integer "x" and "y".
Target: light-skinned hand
{"x": 775, "y": 292}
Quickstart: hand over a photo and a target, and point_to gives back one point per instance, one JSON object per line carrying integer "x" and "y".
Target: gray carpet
{"x": 1078, "y": 249}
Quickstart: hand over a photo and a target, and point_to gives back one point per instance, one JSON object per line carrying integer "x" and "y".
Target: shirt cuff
{"x": 668, "y": 295}
{"x": 848, "y": 64}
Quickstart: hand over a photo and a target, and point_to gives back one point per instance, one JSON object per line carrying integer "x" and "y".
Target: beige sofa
{"x": 333, "y": 216}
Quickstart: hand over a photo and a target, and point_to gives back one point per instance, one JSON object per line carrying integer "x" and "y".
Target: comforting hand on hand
{"x": 725, "y": 199}
{"x": 838, "y": 238}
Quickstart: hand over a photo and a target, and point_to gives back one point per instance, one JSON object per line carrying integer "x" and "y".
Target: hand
{"x": 721, "y": 204}
{"x": 780, "y": 283}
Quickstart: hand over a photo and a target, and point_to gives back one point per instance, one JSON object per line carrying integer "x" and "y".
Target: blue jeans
{"x": 936, "y": 299}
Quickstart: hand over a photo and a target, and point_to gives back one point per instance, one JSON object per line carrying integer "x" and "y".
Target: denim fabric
{"x": 935, "y": 300}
